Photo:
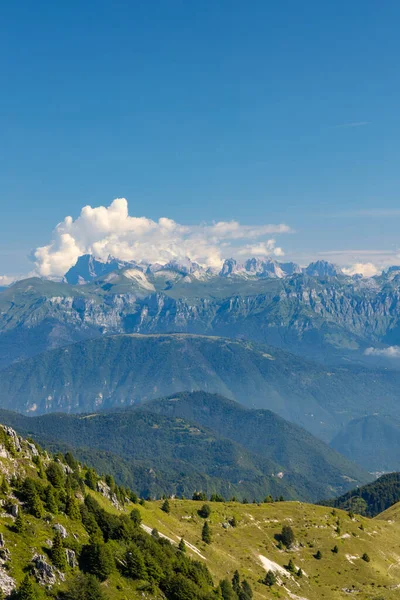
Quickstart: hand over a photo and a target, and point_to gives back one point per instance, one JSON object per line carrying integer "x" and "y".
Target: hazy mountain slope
{"x": 262, "y": 432}
{"x": 328, "y": 318}
{"x": 182, "y": 454}
{"x": 373, "y": 498}
{"x": 372, "y": 441}
{"x": 119, "y": 370}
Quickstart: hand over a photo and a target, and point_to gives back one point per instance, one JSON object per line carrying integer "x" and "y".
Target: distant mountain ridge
{"x": 372, "y": 441}
{"x": 88, "y": 268}
{"x": 119, "y": 370}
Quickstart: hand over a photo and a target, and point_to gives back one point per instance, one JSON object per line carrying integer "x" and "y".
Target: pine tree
{"x": 98, "y": 559}
{"x": 270, "y": 578}
{"x": 136, "y": 516}
{"x": 335, "y": 549}
{"x": 72, "y": 508}
{"x": 318, "y": 555}
{"x": 58, "y": 552}
{"x": 27, "y": 590}
{"x": 91, "y": 479}
{"x": 299, "y": 573}
{"x": 182, "y": 545}
{"x": 135, "y": 565}
{"x": 246, "y": 593}
{"x": 33, "y": 503}
{"x": 205, "y": 511}
{"x": 51, "y": 502}
{"x": 19, "y": 523}
{"x": 84, "y": 587}
{"x": 165, "y": 506}
{"x": 206, "y": 533}
{"x": 236, "y": 582}
{"x": 291, "y": 566}
{"x": 287, "y": 536}
{"x": 226, "y": 590}
{"x": 55, "y": 475}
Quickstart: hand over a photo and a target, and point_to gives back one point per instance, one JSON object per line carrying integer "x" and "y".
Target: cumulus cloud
{"x": 389, "y": 352}
{"x": 366, "y": 269}
{"x": 104, "y": 231}
{"x": 7, "y": 280}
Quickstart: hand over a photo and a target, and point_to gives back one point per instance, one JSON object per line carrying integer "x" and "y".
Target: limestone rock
{"x": 45, "y": 573}
{"x": 61, "y": 529}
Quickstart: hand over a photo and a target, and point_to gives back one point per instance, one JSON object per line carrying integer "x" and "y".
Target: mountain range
{"x": 119, "y": 370}
{"x": 318, "y": 313}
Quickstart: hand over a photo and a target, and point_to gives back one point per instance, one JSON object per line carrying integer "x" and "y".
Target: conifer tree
{"x": 287, "y": 536}
{"x": 270, "y": 578}
{"x": 135, "y": 565}
{"x": 182, "y": 545}
{"x": 136, "y": 516}
{"x": 165, "y": 506}
{"x": 72, "y": 508}
{"x": 58, "y": 552}
{"x": 51, "y": 502}
{"x": 27, "y": 590}
{"x": 236, "y": 582}
{"x": 19, "y": 523}
{"x": 246, "y": 593}
{"x": 291, "y": 566}
{"x": 226, "y": 590}
{"x": 206, "y": 533}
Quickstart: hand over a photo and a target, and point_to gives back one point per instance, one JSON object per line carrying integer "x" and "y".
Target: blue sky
{"x": 258, "y": 112}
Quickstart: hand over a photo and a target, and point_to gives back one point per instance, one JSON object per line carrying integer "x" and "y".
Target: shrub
{"x": 366, "y": 557}
{"x": 287, "y": 536}
{"x": 270, "y": 578}
{"x": 204, "y": 511}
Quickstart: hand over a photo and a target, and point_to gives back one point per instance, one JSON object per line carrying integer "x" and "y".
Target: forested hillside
{"x": 202, "y": 441}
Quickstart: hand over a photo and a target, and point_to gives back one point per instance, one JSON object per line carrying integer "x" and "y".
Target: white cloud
{"x": 365, "y": 269}
{"x": 104, "y": 231}
{"x": 7, "y": 280}
{"x": 389, "y": 352}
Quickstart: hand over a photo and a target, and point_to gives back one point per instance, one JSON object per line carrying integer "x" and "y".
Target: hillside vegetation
{"x": 70, "y": 535}
{"x": 373, "y": 498}
{"x": 199, "y": 441}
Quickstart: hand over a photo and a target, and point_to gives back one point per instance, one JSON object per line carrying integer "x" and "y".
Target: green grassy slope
{"x": 334, "y": 577}
{"x": 250, "y": 545}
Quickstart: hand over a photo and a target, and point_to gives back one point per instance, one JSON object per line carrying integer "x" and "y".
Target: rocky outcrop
{"x": 7, "y": 583}
{"x": 71, "y": 558}
{"x": 44, "y": 573}
{"x": 105, "y": 490}
{"x": 61, "y": 529}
